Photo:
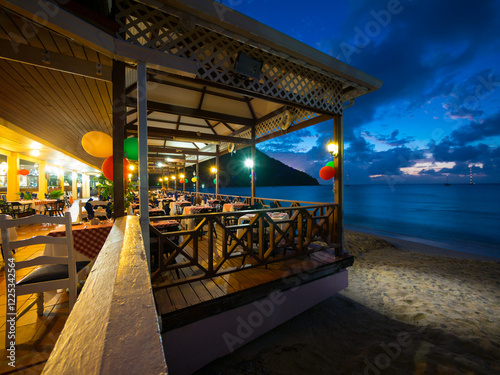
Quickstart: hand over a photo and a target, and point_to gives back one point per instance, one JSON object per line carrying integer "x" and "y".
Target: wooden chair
{"x": 198, "y": 220}
{"x": 56, "y": 208}
{"x": 16, "y": 210}
{"x": 180, "y": 207}
{"x": 229, "y": 222}
{"x": 55, "y": 272}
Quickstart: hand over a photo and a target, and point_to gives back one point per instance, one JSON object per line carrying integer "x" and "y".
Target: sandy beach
{"x": 404, "y": 312}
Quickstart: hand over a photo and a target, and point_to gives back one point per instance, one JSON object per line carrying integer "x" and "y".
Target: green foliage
{"x": 105, "y": 186}
{"x": 28, "y": 196}
{"x": 56, "y": 194}
{"x": 106, "y": 189}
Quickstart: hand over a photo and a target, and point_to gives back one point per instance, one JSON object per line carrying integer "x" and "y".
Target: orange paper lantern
{"x": 24, "y": 172}
{"x": 107, "y": 168}
{"x": 98, "y": 144}
{"x": 326, "y": 173}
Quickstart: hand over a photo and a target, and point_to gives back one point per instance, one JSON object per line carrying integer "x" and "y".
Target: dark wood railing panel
{"x": 260, "y": 239}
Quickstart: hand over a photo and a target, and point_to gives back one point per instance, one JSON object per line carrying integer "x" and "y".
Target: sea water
{"x": 458, "y": 217}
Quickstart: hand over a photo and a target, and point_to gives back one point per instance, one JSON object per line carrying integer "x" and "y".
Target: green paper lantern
{"x": 331, "y": 164}
{"x": 186, "y": 181}
{"x": 131, "y": 148}
{"x": 215, "y": 181}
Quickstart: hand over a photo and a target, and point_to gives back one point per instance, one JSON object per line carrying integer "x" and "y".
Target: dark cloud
{"x": 290, "y": 142}
{"x": 430, "y": 172}
{"x": 390, "y": 140}
{"x": 391, "y": 161}
{"x": 476, "y": 131}
{"x": 359, "y": 150}
{"x": 465, "y": 98}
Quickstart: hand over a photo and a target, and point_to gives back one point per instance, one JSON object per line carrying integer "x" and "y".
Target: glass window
{"x": 3, "y": 171}
{"x": 29, "y": 181}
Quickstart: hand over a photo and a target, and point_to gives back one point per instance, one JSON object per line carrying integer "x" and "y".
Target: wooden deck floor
{"x": 184, "y": 304}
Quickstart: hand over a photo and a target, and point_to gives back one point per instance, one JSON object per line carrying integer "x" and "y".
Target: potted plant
{"x": 56, "y": 194}
{"x": 105, "y": 187}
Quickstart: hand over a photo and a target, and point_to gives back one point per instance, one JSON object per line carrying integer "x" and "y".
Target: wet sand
{"x": 406, "y": 311}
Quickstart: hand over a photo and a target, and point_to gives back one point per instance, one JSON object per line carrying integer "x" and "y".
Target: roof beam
{"x": 195, "y": 136}
{"x": 191, "y": 112}
{"x": 291, "y": 129}
{"x": 174, "y": 150}
{"x": 53, "y": 60}
{"x": 151, "y": 78}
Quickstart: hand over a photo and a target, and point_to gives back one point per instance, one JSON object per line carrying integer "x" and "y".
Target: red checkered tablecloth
{"x": 87, "y": 240}
{"x": 239, "y": 205}
{"x": 164, "y": 224}
{"x": 193, "y": 209}
{"x": 46, "y": 201}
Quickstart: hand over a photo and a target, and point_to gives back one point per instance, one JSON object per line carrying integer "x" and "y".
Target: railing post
{"x": 210, "y": 246}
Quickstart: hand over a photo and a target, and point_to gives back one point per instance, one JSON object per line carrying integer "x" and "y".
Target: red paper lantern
{"x": 326, "y": 173}
{"x": 24, "y": 172}
{"x": 107, "y": 168}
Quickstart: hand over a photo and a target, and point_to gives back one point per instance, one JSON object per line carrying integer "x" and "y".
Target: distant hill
{"x": 269, "y": 171}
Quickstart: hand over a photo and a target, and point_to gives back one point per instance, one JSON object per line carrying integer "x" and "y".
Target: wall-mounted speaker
{"x": 248, "y": 66}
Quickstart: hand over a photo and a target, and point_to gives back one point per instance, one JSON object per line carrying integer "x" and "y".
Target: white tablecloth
{"x": 173, "y": 207}
{"x": 274, "y": 216}
{"x": 189, "y": 224}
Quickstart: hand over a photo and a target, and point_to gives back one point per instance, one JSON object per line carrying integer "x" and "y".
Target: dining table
{"x": 37, "y": 204}
{"x": 233, "y": 206}
{"x": 173, "y": 206}
{"x": 275, "y": 216}
{"x": 88, "y": 240}
{"x": 152, "y": 212}
{"x": 189, "y": 224}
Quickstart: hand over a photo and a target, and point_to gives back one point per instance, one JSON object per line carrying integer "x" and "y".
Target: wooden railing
{"x": 265, "y": 202}
{"x": 113, "y": 328}
{"x": 308, "y": 229}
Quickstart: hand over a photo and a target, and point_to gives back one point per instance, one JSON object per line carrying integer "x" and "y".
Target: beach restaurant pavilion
{"x": 193, "y": 80}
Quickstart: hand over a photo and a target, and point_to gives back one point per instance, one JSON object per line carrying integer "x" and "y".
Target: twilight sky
{"x": 438, "y": 111}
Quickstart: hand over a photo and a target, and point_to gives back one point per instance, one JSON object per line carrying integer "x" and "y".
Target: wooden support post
{"x": 184, "y": 179}
{"x": 197, "y": 176}
{"x": 253, "y": 153}
{"x": 119, "y": 120}
{"x": 42, "y": 181}
{"x": 61, "y": 180}
{"x": 217, "y": 173}
{"x": 142, "y": 117}
{"x": 13, "y": 177}
{"x": 338, "y": 133}
{"x": 74, "y": 187}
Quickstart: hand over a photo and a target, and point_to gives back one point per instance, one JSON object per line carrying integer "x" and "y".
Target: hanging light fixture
{"x": 332, "y": 148}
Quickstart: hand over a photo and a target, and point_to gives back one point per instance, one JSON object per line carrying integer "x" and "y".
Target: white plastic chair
{"x": 56, "y": 272}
